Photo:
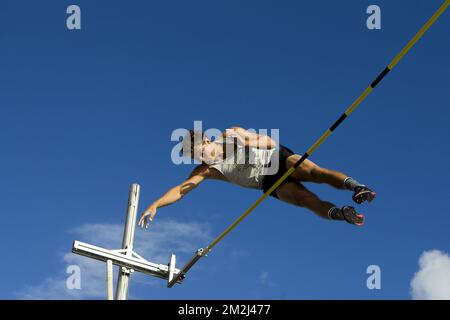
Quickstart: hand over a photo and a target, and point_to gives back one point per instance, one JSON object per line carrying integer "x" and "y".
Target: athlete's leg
{"x": 295, "y": 193}
{"x": 308, "y": 171}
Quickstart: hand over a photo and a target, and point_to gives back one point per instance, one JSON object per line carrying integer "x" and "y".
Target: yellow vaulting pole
{"x": 327, "y": 133}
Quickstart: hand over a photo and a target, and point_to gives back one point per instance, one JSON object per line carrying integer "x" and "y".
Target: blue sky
{"x": 85, "y": 113}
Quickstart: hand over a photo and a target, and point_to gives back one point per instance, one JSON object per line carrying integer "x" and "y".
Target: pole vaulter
{"x": 203, "y": 252}
{"x": 129, "y": 261}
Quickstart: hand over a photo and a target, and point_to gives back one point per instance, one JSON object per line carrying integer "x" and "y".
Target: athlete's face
{"x": 206, "y": 152}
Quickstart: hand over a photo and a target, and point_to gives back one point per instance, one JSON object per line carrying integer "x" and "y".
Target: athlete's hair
{"x": 192, "y": 139}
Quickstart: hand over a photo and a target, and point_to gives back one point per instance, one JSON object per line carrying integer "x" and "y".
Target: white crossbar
{"x": 136, "y": 263}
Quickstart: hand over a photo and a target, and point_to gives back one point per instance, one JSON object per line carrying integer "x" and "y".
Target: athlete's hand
{"x": 146, "y": 215}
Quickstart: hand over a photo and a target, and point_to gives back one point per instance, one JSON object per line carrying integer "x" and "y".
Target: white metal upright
{"x": 128, "y": 241}
{"x": 126, "y": 258}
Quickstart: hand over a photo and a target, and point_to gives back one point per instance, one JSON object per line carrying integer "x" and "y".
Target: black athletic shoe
{"x": 351, "y": 216}
{"x": 362, "y": 194}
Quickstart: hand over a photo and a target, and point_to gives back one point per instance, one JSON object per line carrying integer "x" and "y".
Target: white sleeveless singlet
{"x": 246, "y": 166}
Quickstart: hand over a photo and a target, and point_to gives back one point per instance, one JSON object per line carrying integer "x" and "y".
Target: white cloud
{"x": 265, "y": 285}
{"x": 432, "y": 281}
{"x": 263, "y": 277}
{"x": 93, "y": 282}
{"x": 155, "y": 244}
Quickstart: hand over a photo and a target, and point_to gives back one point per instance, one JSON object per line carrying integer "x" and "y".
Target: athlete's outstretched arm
{"x": 174, "y": 194}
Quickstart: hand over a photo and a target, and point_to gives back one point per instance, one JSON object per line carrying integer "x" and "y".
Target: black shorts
{"x": 269, "y": 180}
